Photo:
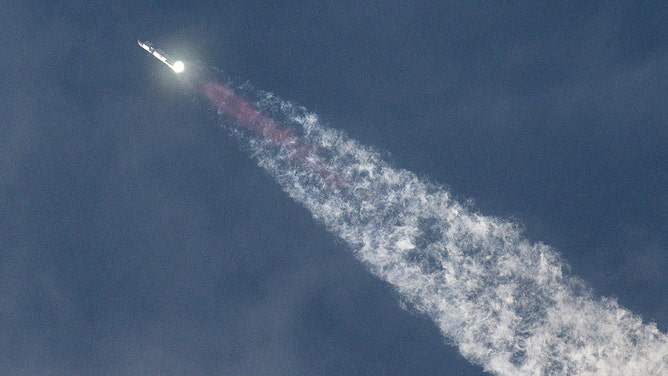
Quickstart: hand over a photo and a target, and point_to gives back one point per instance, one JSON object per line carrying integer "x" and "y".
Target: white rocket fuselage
{"x": 176, "y": 66}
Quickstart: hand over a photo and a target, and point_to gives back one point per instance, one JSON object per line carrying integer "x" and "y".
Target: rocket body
{"x": 176, "y": 66}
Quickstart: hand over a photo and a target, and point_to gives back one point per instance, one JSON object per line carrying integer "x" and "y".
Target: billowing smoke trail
{"x": 505, "y": 302}
{"x": 250, "y": 118}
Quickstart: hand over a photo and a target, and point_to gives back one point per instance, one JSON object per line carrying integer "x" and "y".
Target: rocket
{"x": 177, "y": 66}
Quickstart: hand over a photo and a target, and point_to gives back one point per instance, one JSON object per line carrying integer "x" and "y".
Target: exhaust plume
{"x": 505, "y": 302}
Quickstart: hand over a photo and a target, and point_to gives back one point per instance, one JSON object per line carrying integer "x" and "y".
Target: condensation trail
{"x": 504, "y": 302}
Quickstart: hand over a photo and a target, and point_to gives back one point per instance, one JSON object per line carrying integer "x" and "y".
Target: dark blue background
{"x": 137, "y": 238}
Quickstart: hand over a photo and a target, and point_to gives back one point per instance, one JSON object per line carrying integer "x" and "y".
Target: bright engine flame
{"x": 178, "y": 66}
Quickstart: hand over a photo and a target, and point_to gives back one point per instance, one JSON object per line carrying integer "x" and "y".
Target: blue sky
{"x": 138, "y": 238}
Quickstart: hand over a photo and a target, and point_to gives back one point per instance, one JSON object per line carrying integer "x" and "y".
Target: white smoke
{"x": 503, "y": 301}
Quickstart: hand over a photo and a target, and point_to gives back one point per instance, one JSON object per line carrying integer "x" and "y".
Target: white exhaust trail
{"x": 503, "y": 301}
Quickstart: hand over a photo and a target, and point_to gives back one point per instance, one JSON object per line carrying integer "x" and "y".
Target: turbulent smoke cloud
{"x": 506, "y": 303}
